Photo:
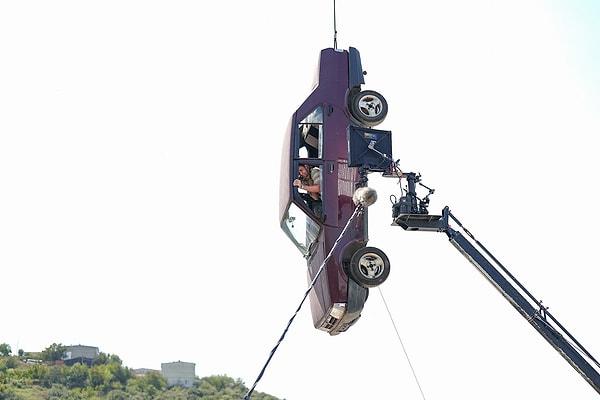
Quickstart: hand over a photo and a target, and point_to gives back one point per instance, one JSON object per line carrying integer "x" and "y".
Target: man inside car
{"x": 309, "y": 179}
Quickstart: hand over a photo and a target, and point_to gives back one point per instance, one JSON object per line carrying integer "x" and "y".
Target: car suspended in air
{"x": 337, "y": 117}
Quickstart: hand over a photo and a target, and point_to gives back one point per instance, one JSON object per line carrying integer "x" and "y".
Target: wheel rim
{"x": 370, "y": 106}
{"x": 371, "y": 266}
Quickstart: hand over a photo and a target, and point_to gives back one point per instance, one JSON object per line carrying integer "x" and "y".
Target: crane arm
{"x": 537, "y": 317}
{"x": 413, "y": 216}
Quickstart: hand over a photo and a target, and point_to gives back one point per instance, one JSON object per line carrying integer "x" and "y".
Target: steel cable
{"x": 402, "y": 344}
{"x": 356, "y": 212}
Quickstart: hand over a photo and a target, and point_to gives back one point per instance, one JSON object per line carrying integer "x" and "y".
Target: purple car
{"x": 319, "y": 176}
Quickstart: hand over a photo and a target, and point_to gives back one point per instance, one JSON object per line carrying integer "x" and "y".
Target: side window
{"x": 302, "y": 230}
{"x": 311, "y": 135}
{"x": 309, "y": 186}
{"x": 301, "y": 220}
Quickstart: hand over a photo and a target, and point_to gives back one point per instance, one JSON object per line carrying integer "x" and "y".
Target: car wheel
{"x": 369, "y": 267}
{"x": 369, "y": 107}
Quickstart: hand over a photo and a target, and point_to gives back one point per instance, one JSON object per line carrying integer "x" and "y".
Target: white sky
{"x": 139, "y": 162}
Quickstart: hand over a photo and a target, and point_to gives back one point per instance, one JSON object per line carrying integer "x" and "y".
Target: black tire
{"x": 369, "y": 107}
{"x": 369, "y": 267}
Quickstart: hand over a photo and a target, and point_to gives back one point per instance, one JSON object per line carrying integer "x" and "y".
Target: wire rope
{"x": 357, "y": 211}
{"x": 334, "y": 28}
{"x": 402, "y": 344}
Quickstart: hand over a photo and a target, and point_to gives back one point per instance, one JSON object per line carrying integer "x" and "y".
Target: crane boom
{"x": 412, "y": 215}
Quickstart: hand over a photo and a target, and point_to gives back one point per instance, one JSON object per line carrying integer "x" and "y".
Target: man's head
{"x": 303, "y": 171}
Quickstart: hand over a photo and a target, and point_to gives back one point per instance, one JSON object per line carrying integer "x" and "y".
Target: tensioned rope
{"x": 402, "y": 344}
{"x": 356, "y": 212}
{"x": 334, "y": 28}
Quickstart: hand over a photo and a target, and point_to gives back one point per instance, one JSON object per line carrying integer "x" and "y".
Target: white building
{"x": 80, "y": 354}
{"x": 79, "y": 351}
{"x": 179, "y": 373}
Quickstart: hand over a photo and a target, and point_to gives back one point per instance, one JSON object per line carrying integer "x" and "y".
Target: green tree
{"x": 36, "y": 372}
{"x": 76, "y": 376}
{"x": 156, "y": 380}
{"x": 11, "y": 362}
{"x": 7, "y": 393}
{"x": 60, "y": 392}
{"x": 120, "y": 373}
{"x": 118, "y": 395}
{"x": 103, "y": 358}
{"x": 151, "y": 384}
{"x": 53, "y": 376}
{"x": 96, "y": 376}
{"x": 220, "y": 388}
{"x": 5, "y": 350}
{"x": 113, "y": 358}
{"x": 54, "y": 352}
{"x": 100, "y": 359}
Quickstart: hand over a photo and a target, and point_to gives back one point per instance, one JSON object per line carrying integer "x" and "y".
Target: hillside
{"x": 22, "y": 378}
